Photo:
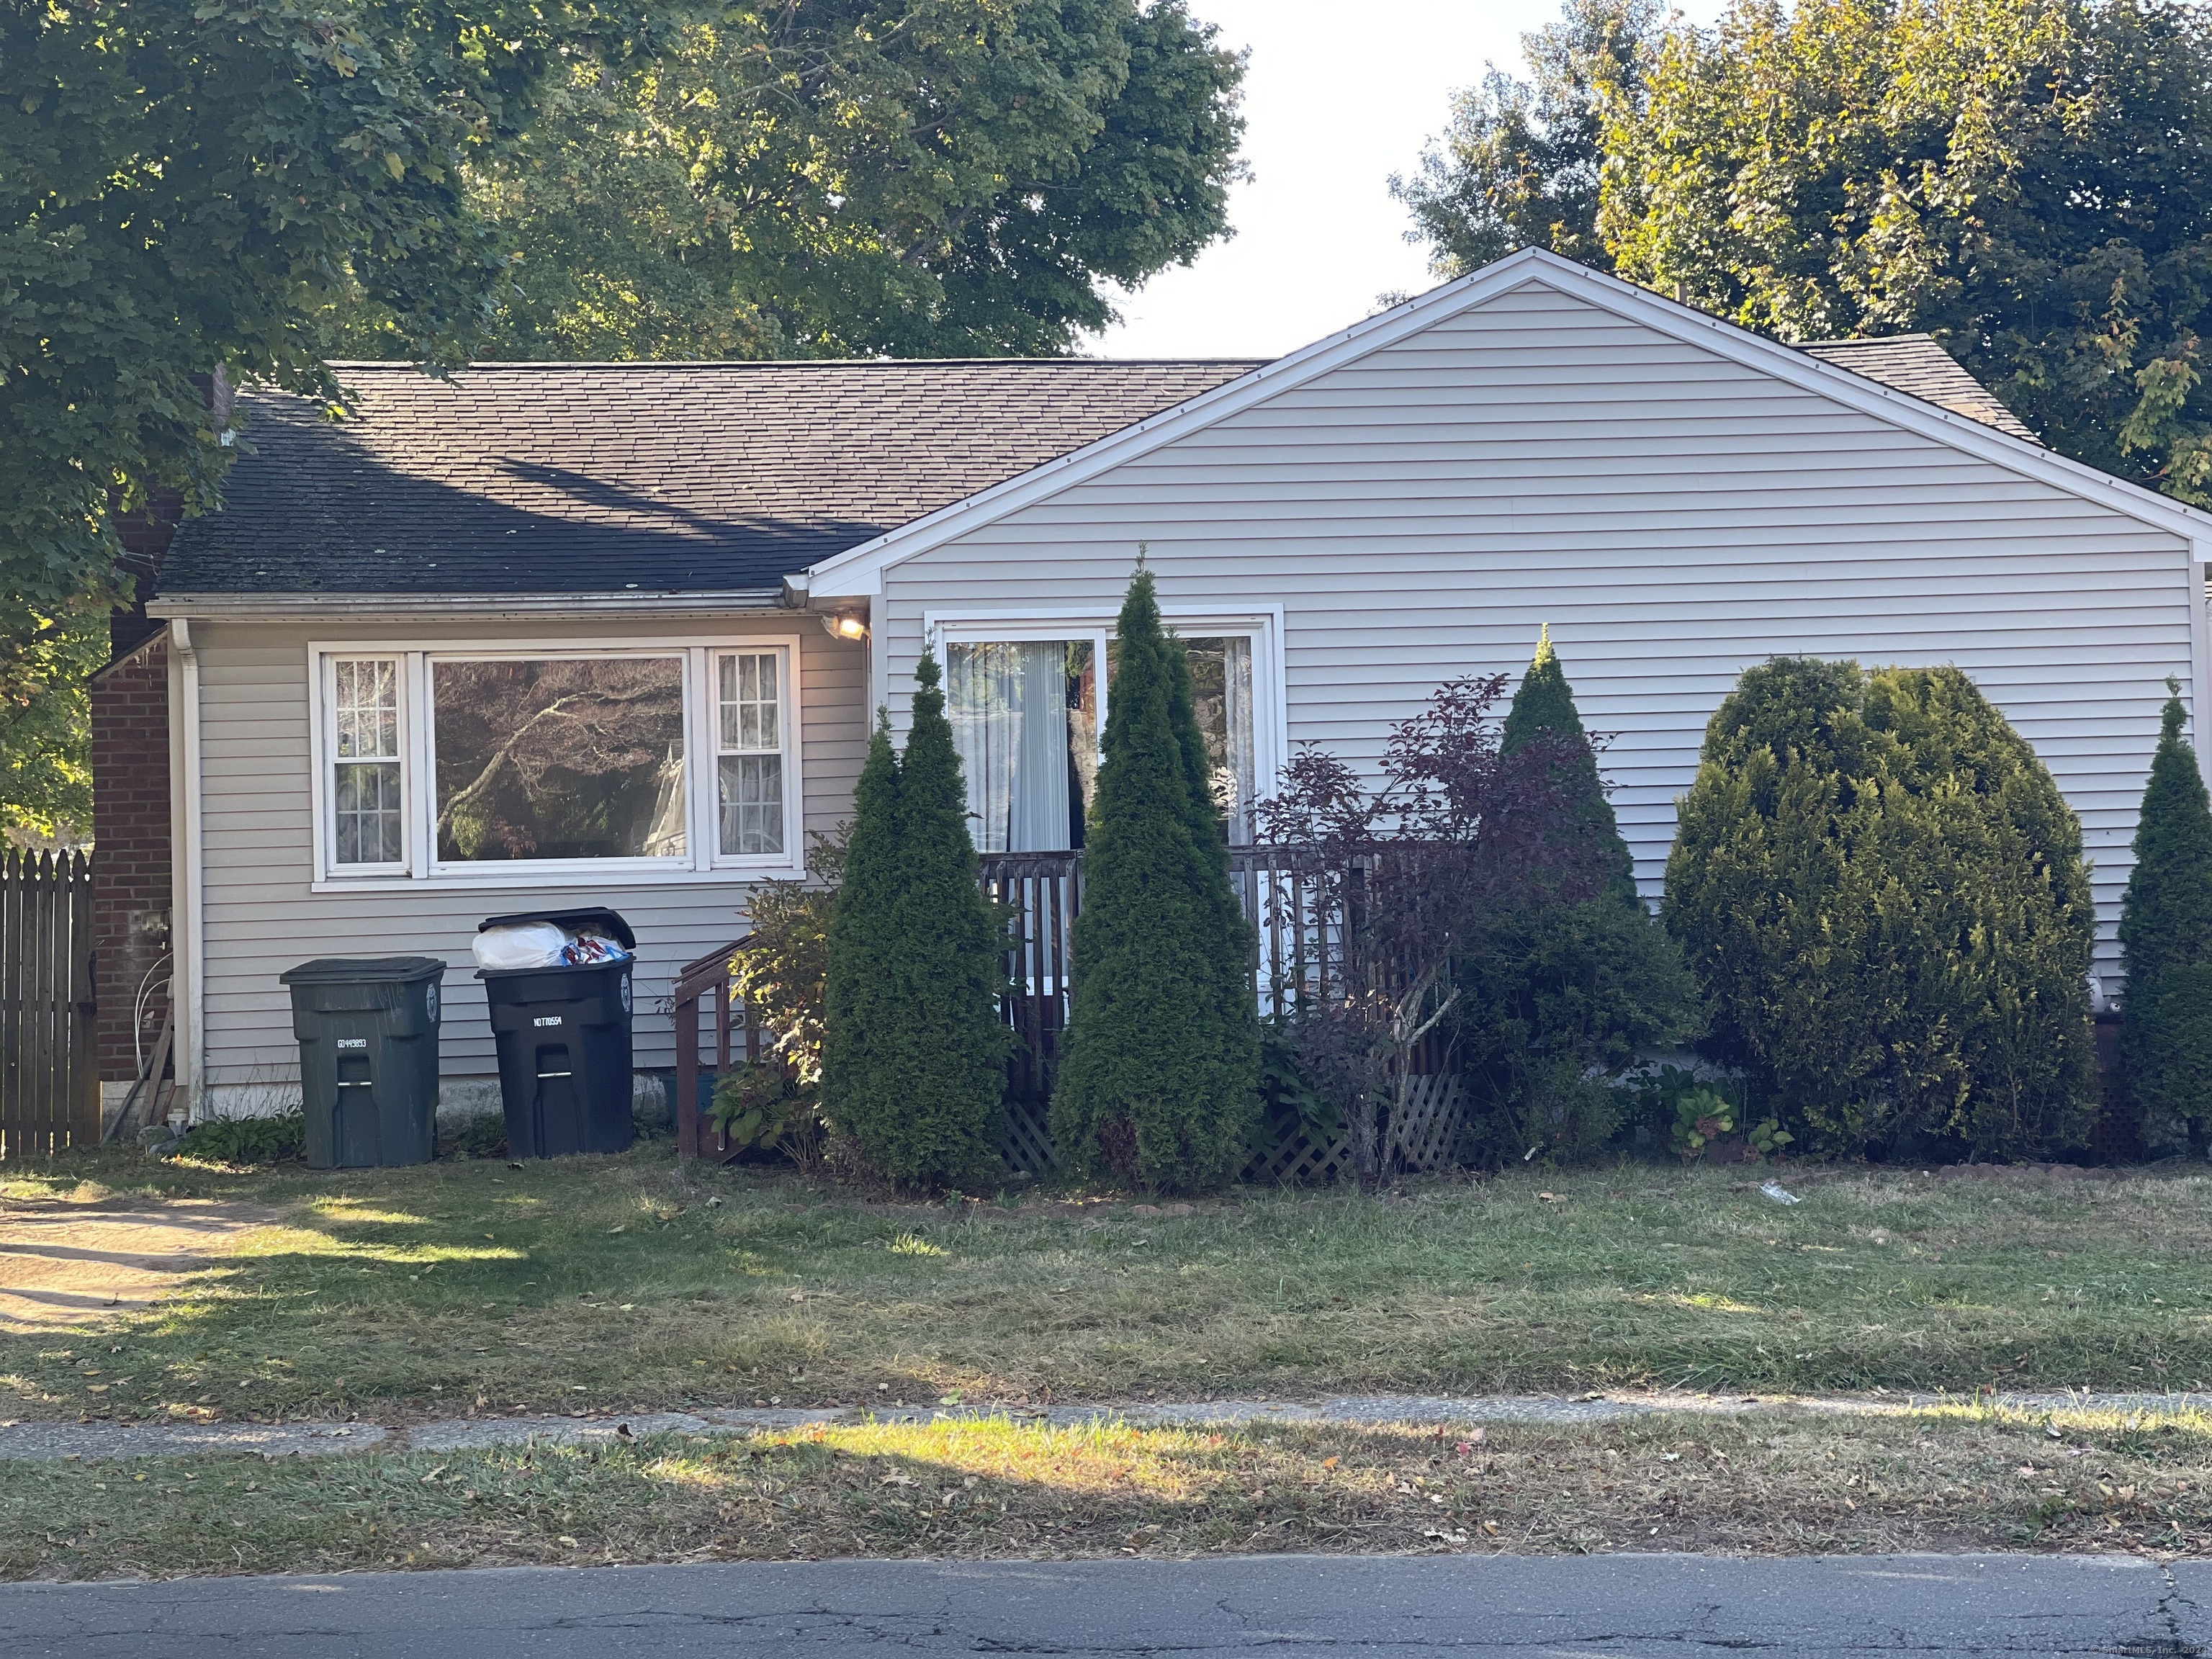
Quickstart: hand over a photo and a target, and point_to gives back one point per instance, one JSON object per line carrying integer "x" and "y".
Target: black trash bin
{"x": 563, "y": 1036}
{"x": 369, "y": 1058}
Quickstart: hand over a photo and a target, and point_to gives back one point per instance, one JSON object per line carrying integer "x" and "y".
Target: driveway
{"x": 1376, "y": 1607}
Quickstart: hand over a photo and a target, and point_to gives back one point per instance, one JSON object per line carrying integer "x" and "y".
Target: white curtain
{"x": 1007, "y": 702}
{"x": 1236, "y": 739}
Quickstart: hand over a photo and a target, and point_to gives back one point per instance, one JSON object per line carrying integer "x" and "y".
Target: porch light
{"x": 846, "y": 626}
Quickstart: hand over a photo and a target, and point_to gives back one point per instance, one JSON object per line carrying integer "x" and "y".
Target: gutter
{"x": 264, "y": 607}
{"x": 191, "y": 876}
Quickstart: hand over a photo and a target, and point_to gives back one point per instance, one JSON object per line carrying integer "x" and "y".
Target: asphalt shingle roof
{"x": 667, "y": 477}
{"x": 1915, "y": 363}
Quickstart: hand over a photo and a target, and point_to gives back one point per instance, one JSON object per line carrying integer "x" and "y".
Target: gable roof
{"x": 1915, "y": 363}
{"x": 568, "y": 478}
{"x": 859, "y": 570}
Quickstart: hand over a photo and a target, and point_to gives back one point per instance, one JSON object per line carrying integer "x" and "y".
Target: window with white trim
{"x": 1027, "y": 707}
{"x": 368, "y": 818}
{"x": 508, "y": 764}
{"x": 748, "y": 752}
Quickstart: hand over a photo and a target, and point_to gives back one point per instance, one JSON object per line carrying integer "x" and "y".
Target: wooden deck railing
{"x": 703, "y": 990}
{"x": 1298, "y": 953}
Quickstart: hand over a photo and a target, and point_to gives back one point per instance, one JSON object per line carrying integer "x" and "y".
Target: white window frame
{"x": 703, "y": 860}
{"x": 327, "y": 760}
{"x": 1270, "y": 748}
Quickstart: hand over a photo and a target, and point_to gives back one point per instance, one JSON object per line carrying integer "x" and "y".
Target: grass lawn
{"x": 624, "y": 1284}
{"x": 1773, "y": 1482}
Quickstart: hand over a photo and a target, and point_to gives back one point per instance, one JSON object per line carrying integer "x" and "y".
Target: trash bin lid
{"x": 350, "y": 971}
{"x": 591, "y": 919}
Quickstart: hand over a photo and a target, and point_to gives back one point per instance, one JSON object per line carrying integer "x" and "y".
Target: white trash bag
{"x": 521, "y": 945}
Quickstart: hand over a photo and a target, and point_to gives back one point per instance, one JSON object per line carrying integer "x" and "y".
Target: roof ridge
{"x": 643, "y": 363}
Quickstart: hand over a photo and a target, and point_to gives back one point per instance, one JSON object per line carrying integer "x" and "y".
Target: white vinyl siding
{"x": 264, "y": 914}
{"x": 1673, "y": 516}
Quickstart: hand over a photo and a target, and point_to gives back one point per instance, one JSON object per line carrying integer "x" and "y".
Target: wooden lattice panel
{"x": 1025, "y": 1140}
{"x": 1423, "y": 1138}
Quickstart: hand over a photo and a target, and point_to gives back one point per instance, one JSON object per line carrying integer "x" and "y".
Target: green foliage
{"x": 1882, "y": 895}
{"x": 1291, "y": 1108}
{"x": 246, "y": 1140}
{"x": 863, "y": 177}
{"x": 914, "y": 1053}
{"x": 1555, "y": 998}
{"x": 759, "y": 1107}
{"x": 185, "y": 187}
{"x": 483, "y": 1136}
{"x": 46, "y": 727}
{"x": 2023, "y": 179}
{"x": 1520, "y": 162}
{"x": 2165, "y": 928}
{"x": 1159, "y": 1064}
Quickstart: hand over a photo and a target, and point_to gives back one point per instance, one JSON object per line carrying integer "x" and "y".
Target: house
{"x": 550, "y": 634}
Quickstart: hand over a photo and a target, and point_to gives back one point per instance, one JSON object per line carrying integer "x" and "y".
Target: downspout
{"x": 190, "y": 895}
{"x": 2200, "y": 655}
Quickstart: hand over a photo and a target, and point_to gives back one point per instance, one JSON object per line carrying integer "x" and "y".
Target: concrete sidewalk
{"x": 1617, "y": 1606}
{"x": 45, "y": 1441}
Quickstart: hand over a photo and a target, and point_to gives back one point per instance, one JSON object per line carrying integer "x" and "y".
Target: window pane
{"x": 1024, "y": 716}
{"x": 365, "y": 816}
{"x": 366, "y": 700}
{"x": 752, "y": 804}
{"x": 1221, "y": 697}
{"x": 553, "y": 759}
{"x": 749, "y": 719}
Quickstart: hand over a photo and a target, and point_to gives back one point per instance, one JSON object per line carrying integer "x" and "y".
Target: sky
{"x": 1336, "y": 99}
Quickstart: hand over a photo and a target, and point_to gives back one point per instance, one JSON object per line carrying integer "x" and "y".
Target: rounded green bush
{"x": 1882, "y": 895}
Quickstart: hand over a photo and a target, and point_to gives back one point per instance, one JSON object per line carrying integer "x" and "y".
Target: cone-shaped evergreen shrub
{"x": 1557, "y": 995}
{"x": 2165, "y": 928}
{"x": 1882, "y": 895}
{"x": 915, "y": 1054}
{"x": 1159, "y": 1064}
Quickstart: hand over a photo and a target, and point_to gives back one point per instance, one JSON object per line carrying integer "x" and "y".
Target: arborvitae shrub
{"x": 1882, "y": 895}
{"x": 2165, "y": 928}
{"x": 915, "y": 1053}
{"x": 1159, "y": 1064}
{"x": 1558, "y": 995}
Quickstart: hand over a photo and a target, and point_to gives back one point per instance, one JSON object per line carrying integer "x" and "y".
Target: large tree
{"x": 1519, "y": 161}
{"x": 863, "y": 177}
{"x": 187, "y": 191}
{"x": 2026, "y": 179}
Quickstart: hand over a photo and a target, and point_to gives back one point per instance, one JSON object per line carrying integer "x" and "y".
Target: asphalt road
{"x": 1616, "y": 1606}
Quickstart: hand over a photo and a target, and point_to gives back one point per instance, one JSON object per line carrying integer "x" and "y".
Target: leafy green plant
{"x": 759, "y": 1107}
{"x": 1291, "y": 1108}
{"x": 246, "y": 1140}
{"x": 1701, "y": 1117}
{"x": 1766, "y": 1138}
{"x": 483, "y": 1136}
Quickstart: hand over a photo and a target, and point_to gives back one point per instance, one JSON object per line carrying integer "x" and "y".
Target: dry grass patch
{"x": 1771, "y": 1484}
{"x": 624, "y": 1283}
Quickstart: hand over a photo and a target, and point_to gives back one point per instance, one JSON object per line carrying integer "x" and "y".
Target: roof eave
{"x": 255, "y": 606}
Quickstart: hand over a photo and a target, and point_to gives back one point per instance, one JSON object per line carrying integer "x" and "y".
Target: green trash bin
{"x": 368, "y": 1059}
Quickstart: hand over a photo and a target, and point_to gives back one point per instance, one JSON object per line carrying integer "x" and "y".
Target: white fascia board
{"x": 858, "y": 571}
{"x": 264, "y": 607}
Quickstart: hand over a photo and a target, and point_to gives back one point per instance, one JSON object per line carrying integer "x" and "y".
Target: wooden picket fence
{"x": 49, "y": 1084}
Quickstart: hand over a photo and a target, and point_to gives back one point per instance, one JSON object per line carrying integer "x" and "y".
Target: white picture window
{"x": 500, "y": 764}
{"x": 368, "y": 818}
{"x": 749, "y": 733}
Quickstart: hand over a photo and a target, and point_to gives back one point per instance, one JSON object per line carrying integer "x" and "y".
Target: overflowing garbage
{"x": 547, "y": 944}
